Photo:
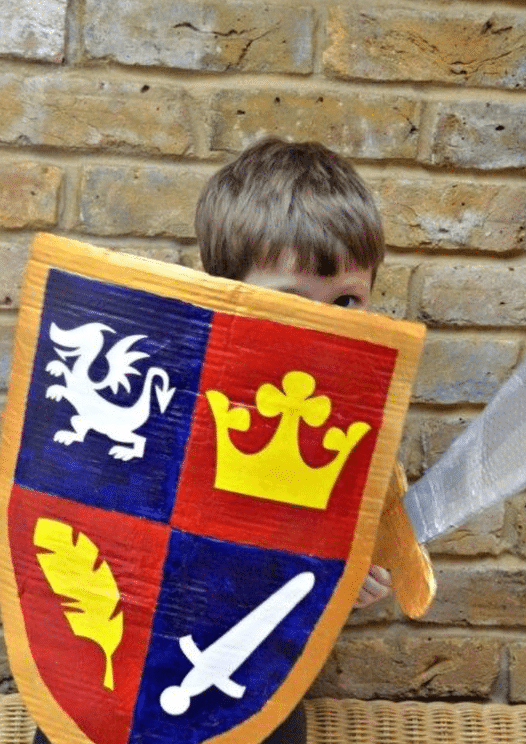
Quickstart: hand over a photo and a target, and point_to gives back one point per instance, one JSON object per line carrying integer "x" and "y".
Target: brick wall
{"x": 112, "y": 116}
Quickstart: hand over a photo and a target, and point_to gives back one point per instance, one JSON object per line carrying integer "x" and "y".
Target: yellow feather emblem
{"x": 92, "y": 593}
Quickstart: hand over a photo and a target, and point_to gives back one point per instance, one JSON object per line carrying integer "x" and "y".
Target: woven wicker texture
{"x": 15, "y": 725}
{"x": 358, "y": 722}
{"x": 383, "y": 722}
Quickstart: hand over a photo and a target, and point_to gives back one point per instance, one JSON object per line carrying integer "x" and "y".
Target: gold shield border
{"x": 231, "y": 297}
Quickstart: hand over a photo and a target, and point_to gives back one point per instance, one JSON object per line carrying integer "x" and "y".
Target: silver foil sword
{"x": 486, "y": 464}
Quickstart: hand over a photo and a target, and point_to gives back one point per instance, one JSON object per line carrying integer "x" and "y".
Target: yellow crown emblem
{"x": 278, "y": 471}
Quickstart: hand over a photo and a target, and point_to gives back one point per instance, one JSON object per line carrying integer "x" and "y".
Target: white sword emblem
{"x": 214, "y": 665}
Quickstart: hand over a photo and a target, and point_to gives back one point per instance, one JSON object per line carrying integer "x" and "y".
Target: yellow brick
{"x": 464, "y": 369}
{"x": 427, "y": 436}
{"x": 7, "y": 333}
{"x": 34, "y": 31}
{"x": 355, "y": 125}
{"x": 14, "y": 252}
{"x": 517, "y": 654}
{"x": 436, "y": 215}
{"x": 478, "y": 595}
{"x": 477, "y": 134}
{"x": 139, "y": 200}
{"x": 211, "y": 37}
{"x": 473, "y": 295}
{"x": 377, "y": 41}
{"x": 75, "y": 112}
{"x": 482, "y": 535}
{"x": 406, "y": 664}
{"x": 29, "y": 195}
{"x": 390, "y": 294}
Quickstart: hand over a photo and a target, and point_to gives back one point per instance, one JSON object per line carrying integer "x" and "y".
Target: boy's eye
{"x": 347, "y": 301}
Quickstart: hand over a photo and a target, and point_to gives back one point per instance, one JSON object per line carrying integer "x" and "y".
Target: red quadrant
{"x": 242, "y": 354}
{"x": 71, "y": 666}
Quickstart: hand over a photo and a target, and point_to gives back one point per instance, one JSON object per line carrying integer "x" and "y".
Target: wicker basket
{"x": 383, "y": 722}
{"x": 16, "y": 727}
{"x": 358, "y": 722}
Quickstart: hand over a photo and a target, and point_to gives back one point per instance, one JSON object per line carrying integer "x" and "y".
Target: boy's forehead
{"x": 279, "y": 274}
{"x": 293, "y": 259}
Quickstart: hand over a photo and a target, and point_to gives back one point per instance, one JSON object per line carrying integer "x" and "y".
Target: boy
{"x": 295, "y": 217}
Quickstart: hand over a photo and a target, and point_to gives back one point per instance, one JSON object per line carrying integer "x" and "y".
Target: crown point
{"x": 336, "y": 440}
{"x": 316, "y": 411}
{"x": 298, "y": 384}
{"x": 236, "y": 418}
{"x": 270, "y": 401}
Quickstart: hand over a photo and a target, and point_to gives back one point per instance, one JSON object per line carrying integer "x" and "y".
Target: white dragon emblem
{"x": 93, "y": 411}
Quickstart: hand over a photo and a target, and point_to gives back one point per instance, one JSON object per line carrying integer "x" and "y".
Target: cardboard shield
{"x": 193, "y": 471}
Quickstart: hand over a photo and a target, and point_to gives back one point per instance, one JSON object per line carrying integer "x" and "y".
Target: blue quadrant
{"x": 174, "y": 337}
{"x": 208, "y": 587}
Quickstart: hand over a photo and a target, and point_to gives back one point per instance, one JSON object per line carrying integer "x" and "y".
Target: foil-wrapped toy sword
{"x": 486, "y": 464}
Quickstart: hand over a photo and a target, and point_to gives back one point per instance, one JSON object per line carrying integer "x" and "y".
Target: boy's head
{"x": 298, "y": 203}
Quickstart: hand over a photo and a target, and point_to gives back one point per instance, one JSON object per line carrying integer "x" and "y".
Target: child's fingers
{"x": 380, "y": 575}
{"x": 376, "y": 586}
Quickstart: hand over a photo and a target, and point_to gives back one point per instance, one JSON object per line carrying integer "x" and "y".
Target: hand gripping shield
{"x": 193, "y": 473}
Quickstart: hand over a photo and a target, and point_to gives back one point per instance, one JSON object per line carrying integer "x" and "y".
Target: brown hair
{"x": 280, "y": 194}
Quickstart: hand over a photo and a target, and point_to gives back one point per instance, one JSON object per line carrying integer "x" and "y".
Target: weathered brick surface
{"x": 168, "y": 254}
{"x": 7, "y": 332}
{"x": 14, "y": 252}
{"x": 212, "y": 37}
{"x": 473, "y": 295}
{"x": 363, "y": 127}
{"x": 467, "y": 369}
{"x": 64, "y": 111}
{"x": 426, "y": 437}
{"x": 478, "y": 594}
{"x": 190, "y": 257}
{"x": 377, "y": 41}
{"x": 405, "y": 665}
{"x": 184, "y": 255}
{"x": 516, "y": 512}
{"x": 29, "y": 194}
{"x": 410, "y": 452}
{"x": 34, "y": 30}
{"x": 390, "y": 294}
{"x": 379, "y": 613}
{"x": 517, "y": 662}
{"x": 139, "y": 200}
{"x": 7, "y": 683}
{"x": 482, "y": 535}
{"x": 477, "y": 134}
{"x": 435, "y": 215}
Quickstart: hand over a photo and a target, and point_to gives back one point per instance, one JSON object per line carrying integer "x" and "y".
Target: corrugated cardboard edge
{"x": 225, "y": 296}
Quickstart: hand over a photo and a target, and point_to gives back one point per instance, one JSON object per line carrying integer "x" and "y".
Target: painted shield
{"x": 193, "y": 471}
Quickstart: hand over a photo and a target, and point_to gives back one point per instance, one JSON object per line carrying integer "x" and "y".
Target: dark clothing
{"x": 293, "y": 730}
{"x": 40, "y": 738}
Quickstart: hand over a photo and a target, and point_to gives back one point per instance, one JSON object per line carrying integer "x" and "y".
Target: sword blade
{"x": 237, "y": 644}
{"x": 486, "y": 464}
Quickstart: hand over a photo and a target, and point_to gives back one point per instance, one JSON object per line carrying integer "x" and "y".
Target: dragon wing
{"x": 120, "y": 361}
